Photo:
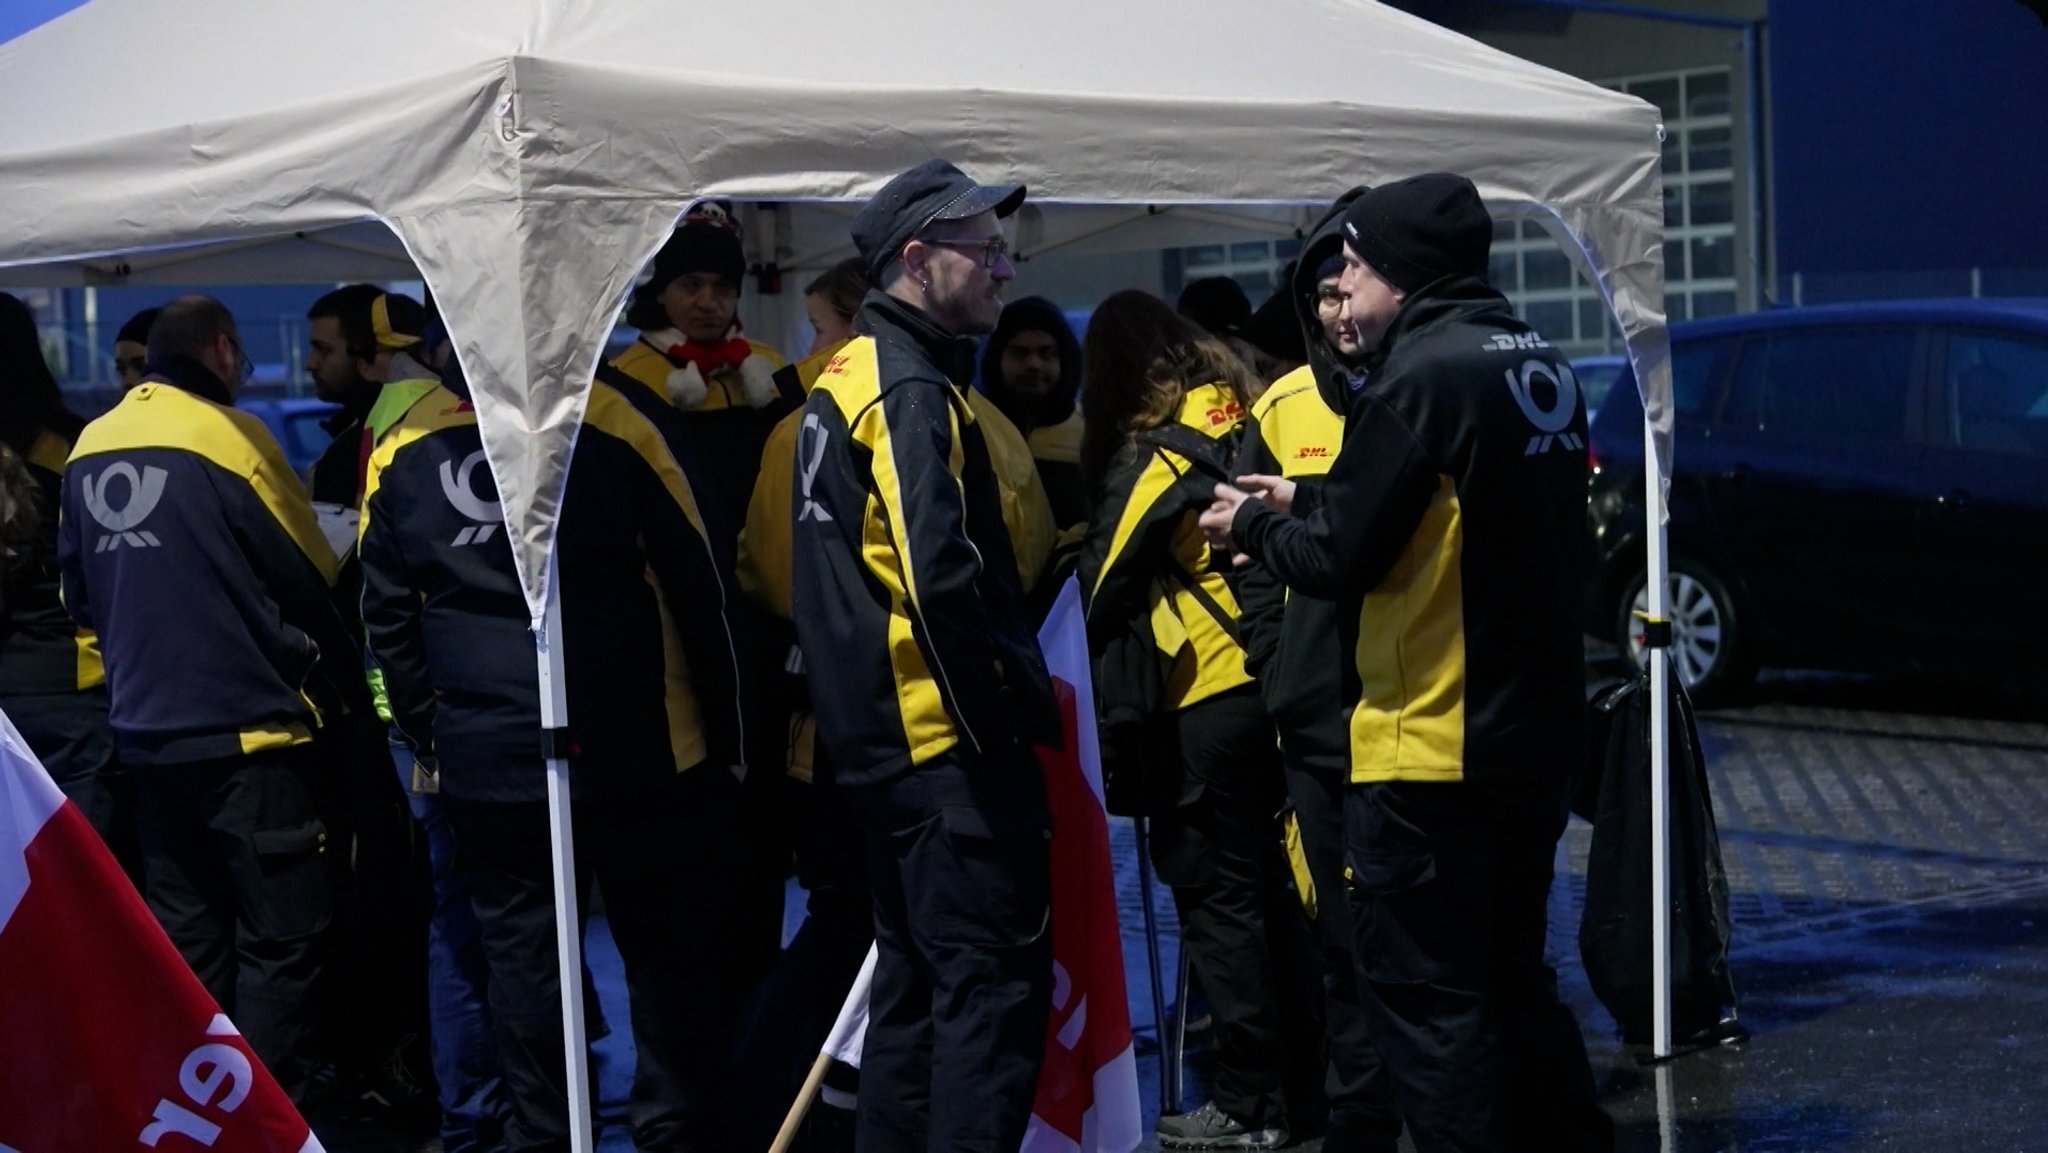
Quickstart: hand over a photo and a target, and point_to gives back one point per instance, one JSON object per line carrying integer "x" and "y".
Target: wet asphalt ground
{"x": 1887, "y": 850}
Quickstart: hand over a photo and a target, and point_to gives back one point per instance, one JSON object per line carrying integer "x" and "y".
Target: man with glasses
{"x": 190, "y": 548}
{"x": 926, "y": 678}
{"x": 1292, "y": 646}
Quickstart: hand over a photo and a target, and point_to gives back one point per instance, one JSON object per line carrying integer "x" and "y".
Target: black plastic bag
{"x": 1615, "y": 930}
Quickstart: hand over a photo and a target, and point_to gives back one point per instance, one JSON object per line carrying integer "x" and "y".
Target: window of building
{"x": 1701, "y": 260}
{"x": 1254, "y": 264}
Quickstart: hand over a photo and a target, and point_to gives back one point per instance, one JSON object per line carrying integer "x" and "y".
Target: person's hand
{"x": 1276, "y": 491}
{"x": 1216, "y": 522}
{"x": 1217, "y": 518}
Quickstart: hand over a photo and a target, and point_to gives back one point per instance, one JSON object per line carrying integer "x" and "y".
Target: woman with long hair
{"x": 1162, "y": 408}
{"x": 51, "y": 683}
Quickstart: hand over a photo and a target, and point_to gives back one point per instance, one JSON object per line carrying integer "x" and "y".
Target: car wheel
{"x": 1706, "y": 631}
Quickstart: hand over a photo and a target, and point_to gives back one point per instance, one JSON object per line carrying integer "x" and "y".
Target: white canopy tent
{"x": 530, "y": 155}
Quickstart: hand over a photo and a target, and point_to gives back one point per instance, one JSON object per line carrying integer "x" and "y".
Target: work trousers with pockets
{"x": 238, "y": 869}
{"x": 1241, "y": 921}
{"x": 959, "y": 864}
{"x": 663, "y": 851}
{"x": 1449, "y": 895}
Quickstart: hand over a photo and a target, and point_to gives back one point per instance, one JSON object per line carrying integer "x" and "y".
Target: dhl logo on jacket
{"x": 1292, "y": 640}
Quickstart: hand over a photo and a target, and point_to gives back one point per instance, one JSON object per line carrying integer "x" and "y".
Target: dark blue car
{"x": 1858, "y": 487}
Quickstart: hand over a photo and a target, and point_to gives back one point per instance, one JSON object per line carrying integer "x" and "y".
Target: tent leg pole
{"x": 568, "y": 918}
{"x": 1657, "y": 586}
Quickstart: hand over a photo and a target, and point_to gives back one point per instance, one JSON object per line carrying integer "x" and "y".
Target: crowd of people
{"x": 1330, "y": 589}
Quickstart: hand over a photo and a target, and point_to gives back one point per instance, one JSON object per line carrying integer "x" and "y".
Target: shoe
{"x": 1212, "y": 1128}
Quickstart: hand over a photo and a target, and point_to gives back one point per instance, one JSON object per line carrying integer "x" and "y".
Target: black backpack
{"x": 1142, "y": 768}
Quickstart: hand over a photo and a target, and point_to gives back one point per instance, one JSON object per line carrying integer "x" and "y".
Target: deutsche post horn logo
{"x": 140, "y": 499}
{"x": 455, "y": 485}
{"x": 1553, "y": 419}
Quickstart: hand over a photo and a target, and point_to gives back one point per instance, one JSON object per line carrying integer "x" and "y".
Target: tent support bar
{"x": 1221, "y": 219}
{"x": 341, "y": 244}
{"x": 116, "y": 271}
{"x": 562, "y": 839}
{"x": 1657, "y": 588}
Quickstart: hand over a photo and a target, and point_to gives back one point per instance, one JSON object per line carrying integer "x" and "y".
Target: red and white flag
{"x": 1088, "y": 1087}
{"x": 107, "y": 1040}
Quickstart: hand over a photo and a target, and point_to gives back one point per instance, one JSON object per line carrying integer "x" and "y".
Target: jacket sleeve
{"x": 1372, "y": 501}
{"x": 764, "y": 547}
{"x": 1129, "y": 535}
{"x": 925, "y": 507}
{"x": 1261, "y": 597}
{"x": 695, "y": 588}
{"x": 391, "y": 616}
{"x": 296, "y": 579}
{"x": 70, "y": 562}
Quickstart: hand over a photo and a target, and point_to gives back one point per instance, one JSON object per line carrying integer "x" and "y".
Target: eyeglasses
{"x": 1328, "y": 301}
{"x": 245, "y": 369}
{"x": 992, "y": 249}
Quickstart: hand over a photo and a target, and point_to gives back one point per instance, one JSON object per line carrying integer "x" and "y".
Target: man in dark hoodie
{"x": 1449, "y": 529}
{"x": 1031, "y": 368}
{"x": 1291, "y": 647}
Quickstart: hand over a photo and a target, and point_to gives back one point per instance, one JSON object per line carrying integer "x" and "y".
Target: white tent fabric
{"x": 532, "y": 153}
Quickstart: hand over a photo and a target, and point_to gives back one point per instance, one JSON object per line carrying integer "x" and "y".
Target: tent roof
{"x": 232, "y": 119}
{"x": 530, "y": 155}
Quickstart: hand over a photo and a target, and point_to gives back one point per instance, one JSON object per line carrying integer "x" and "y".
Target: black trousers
{"x": 68, "y": 732}
{"x": 1450, "y": 884}
{"x": 959, "y": 862}
{"x": 1242, "y": 924}
{"x": 793, "y": 1011}
{"x": 238, "y": 869}
{"x": 664, "y": 855}
{"x": 1363, "y": 1115}
{"x": 377, "y": 970}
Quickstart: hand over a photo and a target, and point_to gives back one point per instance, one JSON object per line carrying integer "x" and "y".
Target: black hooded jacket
{"x": 1450, "y": 530}
{"x": 1292, "y": 639}
{"x": 1051, "y": 424}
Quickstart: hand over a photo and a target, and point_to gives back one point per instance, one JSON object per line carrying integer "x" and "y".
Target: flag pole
{"x": 851, "y": 1023}
{"x": 802, "y": 1107}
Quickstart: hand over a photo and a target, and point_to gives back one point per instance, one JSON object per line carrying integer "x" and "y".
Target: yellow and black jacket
{"x": 649, "y": 658}
{"x": 764, "y": 560}
{"x": 1451, "y": 532}
{"x": 907, "y": 604}
{"x": 191, "y": 549}
{"x": 42, "y": 650}
{"x": 1057, "y": 449}
{"x": 719, "y": 440}
{"x": 1291, "y": 639}
{"x": 1147, "y": 573}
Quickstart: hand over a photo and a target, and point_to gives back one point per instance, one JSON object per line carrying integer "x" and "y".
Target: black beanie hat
{"x": 136, "y": 331}
{"x": 1418, "y": 231}
{"x": 1217, "y": 303}
{"x": 695, "y": 247}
